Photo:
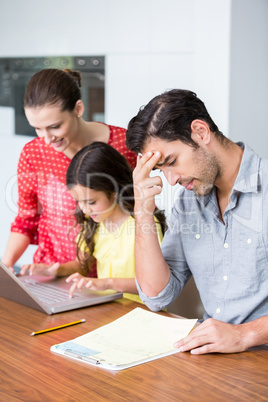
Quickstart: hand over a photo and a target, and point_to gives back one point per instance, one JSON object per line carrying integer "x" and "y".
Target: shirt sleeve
{"x": 26, "y": 222}
{"x": 172, "y": 251}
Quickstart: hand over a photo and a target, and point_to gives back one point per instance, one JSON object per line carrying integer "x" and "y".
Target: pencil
{"x": 59, "y": 327}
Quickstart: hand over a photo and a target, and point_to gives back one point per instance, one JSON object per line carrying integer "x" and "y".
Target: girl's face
{"x": 94, "y": 203}
{"x": 59, "y": 129}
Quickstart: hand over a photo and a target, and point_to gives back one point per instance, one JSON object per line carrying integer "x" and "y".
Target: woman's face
{"x": 94, "y": 203}
{"x": 59, "y": 129}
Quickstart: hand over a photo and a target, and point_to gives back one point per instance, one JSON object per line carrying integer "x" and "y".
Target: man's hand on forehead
{"x": 149, "y": 159}
{"x": 145, "y": 186}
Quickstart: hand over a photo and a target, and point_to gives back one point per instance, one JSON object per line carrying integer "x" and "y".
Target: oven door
{"x": 19, "y": 82}
{"x": 92, "y": 92}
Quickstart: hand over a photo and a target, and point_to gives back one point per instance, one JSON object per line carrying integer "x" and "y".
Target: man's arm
{"x": 217, "y": 336}
{"x": 152, "y": 272}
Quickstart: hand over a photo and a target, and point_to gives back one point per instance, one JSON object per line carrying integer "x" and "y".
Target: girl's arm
{"x": 75, "y": 266}
{"x": 127, "y": 285}
{"x": 70, "y": 267}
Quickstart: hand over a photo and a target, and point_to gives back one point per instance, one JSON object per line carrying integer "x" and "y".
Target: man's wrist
{"x": 141, "y": 216}
{"x": 251, "y": 333}
{"x": 145, "y": 225}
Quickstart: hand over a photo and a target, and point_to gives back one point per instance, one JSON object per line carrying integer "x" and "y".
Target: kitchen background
{"x": 217, "y": 48}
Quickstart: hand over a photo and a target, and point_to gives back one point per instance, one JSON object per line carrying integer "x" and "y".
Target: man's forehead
{"x": 154, "y": 144}
{"x": 162, "y": 146}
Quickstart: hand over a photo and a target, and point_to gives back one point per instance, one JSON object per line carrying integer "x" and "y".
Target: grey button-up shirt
{"x": 229, "y": 261}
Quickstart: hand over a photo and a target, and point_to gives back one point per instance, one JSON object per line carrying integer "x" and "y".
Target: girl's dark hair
{"x": 52, "y": 86}
{"x": 169, "y": 116}
{"x": 102, "y": 168}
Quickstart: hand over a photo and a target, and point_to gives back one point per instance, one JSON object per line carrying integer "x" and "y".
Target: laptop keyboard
{"x": 46, "y": 293}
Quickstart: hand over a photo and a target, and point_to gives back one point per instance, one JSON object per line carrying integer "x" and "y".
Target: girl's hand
{"x": 40, "y": 269}
{"x": 80, "y": 282}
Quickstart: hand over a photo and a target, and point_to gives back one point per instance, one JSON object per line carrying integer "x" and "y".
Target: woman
{"x": 53, "y": 106}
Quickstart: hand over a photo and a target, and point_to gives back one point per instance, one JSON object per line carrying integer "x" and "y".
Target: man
{"x": 218, "y": 229}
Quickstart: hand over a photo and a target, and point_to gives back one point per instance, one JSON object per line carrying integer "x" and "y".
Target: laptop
{"x": 47, "y": 294}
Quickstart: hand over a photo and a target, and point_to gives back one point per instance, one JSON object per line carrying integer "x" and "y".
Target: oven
{"x": 16, "y": 72}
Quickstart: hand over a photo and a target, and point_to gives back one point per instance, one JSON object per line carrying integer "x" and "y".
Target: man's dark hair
{"x": 168, "y": 116}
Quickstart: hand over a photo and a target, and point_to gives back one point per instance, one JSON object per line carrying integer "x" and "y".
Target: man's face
{"x": 194, "y": 168}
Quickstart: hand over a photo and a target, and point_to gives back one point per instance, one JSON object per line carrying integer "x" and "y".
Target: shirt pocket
{"x": 199, "y": 253}
{"x": 253, "y": 262}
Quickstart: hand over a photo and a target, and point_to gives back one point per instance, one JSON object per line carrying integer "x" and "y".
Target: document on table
{"x": 135, "y": 338}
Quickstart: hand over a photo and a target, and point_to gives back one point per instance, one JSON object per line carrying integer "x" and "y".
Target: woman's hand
{"x": 80, "y": 281}
{"x": 40, "y": 269}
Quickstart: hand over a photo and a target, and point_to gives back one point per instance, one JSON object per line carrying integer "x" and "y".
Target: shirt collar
{"x": 248, "y": 180}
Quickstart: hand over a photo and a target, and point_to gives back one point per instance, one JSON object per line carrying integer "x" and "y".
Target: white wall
{"x": 249, "y": 78}
{"x": 150, "y": 46}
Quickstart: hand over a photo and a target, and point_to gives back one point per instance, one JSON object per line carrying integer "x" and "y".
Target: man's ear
{"x": 200, "y": 132}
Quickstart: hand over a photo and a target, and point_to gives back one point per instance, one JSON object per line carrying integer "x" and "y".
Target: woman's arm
{"x": 24, "y": 227}
{"x": 17, "y": 244}
{"x": 27, "y": 219}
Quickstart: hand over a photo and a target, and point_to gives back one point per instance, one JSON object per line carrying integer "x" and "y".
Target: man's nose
{"x": 172, "y": 177}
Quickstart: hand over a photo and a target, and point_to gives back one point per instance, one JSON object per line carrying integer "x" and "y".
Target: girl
{"x": 53, "y": 106}
{"x": 100, "y": 180}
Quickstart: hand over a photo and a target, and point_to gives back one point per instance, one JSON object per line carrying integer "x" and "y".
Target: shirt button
{"x": 197, "y": 236}
{"x": 226, "y": 245}
{"x": 248, "y": 241}
{"x": 218, "y": 310}
{"x": 225, "y": 277}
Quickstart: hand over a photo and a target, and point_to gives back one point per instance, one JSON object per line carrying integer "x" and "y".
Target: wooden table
{"x": 30, "y": 372}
